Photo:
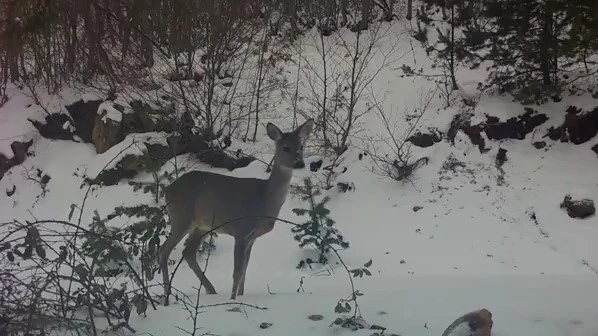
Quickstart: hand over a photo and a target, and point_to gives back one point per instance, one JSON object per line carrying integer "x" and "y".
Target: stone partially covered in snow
{"x": 478, "y": 323}
{"x": 583, "y": 208}
{"x": 106, "y": 133}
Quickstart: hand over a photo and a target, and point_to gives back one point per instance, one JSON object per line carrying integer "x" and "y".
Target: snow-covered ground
{"x": 472, "y": 245}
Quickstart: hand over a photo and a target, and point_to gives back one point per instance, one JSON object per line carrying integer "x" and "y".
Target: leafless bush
{"x": 59, "y": 275}
{"x": 336, "y": 83}
{"x": 399, "y": 164}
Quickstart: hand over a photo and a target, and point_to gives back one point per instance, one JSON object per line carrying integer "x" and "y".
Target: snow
{"x": 108, "y": 111}
{"x": 472, "y": 245}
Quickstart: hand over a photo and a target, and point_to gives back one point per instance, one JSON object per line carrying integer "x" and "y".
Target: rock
{"x": 539, "y": 144}
{"x": 54, "y": 127}
{"x": 376, "y": 327}
{"x": 578, "y": 126}
{"x": 4, "y": 165}
{"x": 314, "y": 166}
{"x": 515, "y": 127}
{"x": 595, "y": 149}
{"x": 582, "y": 209}
{"x": 140, "y": 120}
{"x": 20, "y": 151}
{"x": 345, "y": 186}
{"x": 417, "y": 208}
{"x": 106, "y": 133}
{"x": 130, "y": 165}
{"x": 83, "y": 114}
{"x": 316, "y": 317}
{"x": 501, "y": 157}
{"x": 461, "y": 122}
{"x": 220, "y": 159}
{"x": 477, "y": 323}
{"x": 425, "y": 139}
{"x": 265, "y": 325}
{"x": 11, "y": 191}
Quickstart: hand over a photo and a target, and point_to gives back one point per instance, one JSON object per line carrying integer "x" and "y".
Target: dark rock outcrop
{"x": 426, "y": 139}
{"x": 157, "y": 155}
{"x": 106, "y": 133}
{"x": 461, "y": 122}
{"x": 579, "y": 126}
{"x": 20, "y": 151}
{"x": 583, "y": 208}
{"x": 81, "y": 118}
{"x": 501, "y": 157}
{"x": 54, "y": 127}
{"x": 314, "y": 166}
{"x": 513, "y": 128}
{"x": 83, "y": 114}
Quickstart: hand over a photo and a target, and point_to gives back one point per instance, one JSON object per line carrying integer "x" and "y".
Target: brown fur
{"x": 479, "y": 322}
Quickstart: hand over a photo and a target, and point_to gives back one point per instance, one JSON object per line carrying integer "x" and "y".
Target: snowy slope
{"x": 472, "y": 245}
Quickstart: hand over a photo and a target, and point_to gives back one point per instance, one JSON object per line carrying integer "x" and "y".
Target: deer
{"x": 199, "y": 203}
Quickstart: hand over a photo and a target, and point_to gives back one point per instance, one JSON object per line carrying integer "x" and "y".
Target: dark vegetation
{"x": 180, "y": 68}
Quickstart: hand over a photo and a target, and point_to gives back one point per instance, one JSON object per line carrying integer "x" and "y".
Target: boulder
{"x": 19, "y": 150}
{"x": 581, "y": 209}
{"x": 4, "y": 166}
{"x": 578, "y": 127}
{"x": 84, "y": 114}
{"x": 106, "y": 133}
{"x": 425, "y": 139}
{"x": 55, "y": 127}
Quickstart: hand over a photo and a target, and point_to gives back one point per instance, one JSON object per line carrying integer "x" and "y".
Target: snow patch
{"x": 108, "y": 111}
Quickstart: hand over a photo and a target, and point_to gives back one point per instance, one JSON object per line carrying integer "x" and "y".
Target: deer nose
{"x": 299, "y": 164}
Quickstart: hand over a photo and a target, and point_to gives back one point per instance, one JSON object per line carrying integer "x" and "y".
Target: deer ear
{"x": 273, "y": 132}
{"x": 304, "y": 130}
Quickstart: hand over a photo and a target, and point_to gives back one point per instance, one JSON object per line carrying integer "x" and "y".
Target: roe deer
{"x": 200, "y": 202}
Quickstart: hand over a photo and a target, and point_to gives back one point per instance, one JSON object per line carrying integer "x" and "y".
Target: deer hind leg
{"x": 192, "y": 245}
{"x": 241, "y": 290}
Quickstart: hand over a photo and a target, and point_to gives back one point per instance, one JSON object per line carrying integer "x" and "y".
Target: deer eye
{"x": 286, "y": 148}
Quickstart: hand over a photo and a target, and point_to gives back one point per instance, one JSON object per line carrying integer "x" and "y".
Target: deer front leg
{"x": 245, "y": 263}
{"x": 239, "y": 256}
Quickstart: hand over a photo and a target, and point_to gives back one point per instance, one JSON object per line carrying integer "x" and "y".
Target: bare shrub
{"x": 399, "y": 164}
{"x": 336, "y": 83}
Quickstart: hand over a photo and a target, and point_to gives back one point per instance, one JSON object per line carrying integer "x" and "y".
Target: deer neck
{"x": 277, "y": 186}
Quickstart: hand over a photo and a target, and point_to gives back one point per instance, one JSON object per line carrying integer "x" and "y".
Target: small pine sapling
{"x": 319, "y": 228}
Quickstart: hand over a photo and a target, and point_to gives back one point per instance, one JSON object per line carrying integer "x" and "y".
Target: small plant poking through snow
{"x": 318, "y": 230}
{"x": 349, "y": 304}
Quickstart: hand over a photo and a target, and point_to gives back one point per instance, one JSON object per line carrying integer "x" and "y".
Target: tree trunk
{"x": 71, "y": 48}
{"x": 366, "y": 9}
{"x": 452, "y": 49}
{"x": 409, "y": 9}
{"x": 545, "y": 41}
